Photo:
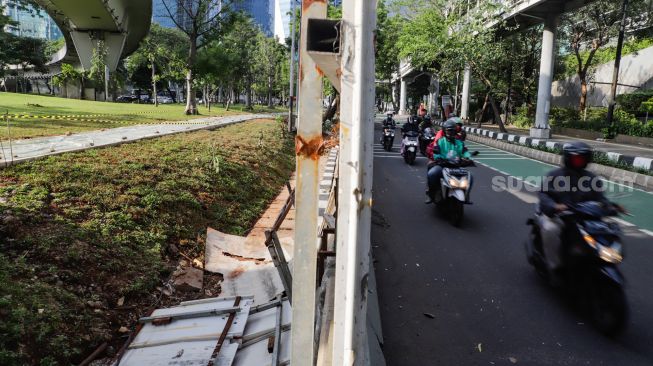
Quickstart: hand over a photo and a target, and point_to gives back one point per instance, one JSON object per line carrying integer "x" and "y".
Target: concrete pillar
{"x": 434, "y": 90}
{"x": 467, "y": 81}
{"x": 541, "y": 129}
{"x": 402, "y": 97}
{"x": 394, "y": 94}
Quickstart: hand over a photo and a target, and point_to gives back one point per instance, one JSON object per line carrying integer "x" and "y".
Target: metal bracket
{"x": 323, "y": 44}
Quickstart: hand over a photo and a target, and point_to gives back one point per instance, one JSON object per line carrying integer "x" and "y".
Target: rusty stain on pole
{"x": 308, "y": 146}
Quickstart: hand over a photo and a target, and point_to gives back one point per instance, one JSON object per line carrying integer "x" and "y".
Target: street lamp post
{"x": 617, "y": 63}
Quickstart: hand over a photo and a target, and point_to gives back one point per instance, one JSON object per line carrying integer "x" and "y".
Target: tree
{"x": 269, "y": 56}
{"x": 387, "y": 51}
{"x": 590, "y": 28}
{"x": 162, "y": 52}
{"x": 445, "y": 41}
{"x": 201, "y": 21}
{"x": 96, "y": 73}
{"x": 69, "y": 74}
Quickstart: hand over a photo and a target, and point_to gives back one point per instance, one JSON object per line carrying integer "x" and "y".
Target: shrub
{"x": 647, "y": 106}
{"x": 632, "y": 102}
{"x": 523, "y": 118}
{"x": 625, "y": 123}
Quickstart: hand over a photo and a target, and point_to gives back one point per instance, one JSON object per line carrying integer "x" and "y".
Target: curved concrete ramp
{"x": 122, "y": 24}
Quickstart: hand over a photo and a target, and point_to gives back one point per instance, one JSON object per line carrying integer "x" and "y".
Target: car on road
{"x": 162, "y": 99}
{"x": 126, "y": 99}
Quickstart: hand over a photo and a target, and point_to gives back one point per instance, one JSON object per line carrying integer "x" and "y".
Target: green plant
{"x": 523, "y": 118}
{"x": 632, "y": 102}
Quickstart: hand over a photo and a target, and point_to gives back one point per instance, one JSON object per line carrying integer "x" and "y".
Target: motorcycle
{"x": 410, "y": 146}
{"x": 388, "y": 138}
{"x": 591, "y": 251}
{"x": 454, "y": 188}
{"x": 425, "y": 138}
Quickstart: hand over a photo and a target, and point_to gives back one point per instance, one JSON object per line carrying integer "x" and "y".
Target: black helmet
{"x": 576, "y": 155}
{"x": 450, "y": 129}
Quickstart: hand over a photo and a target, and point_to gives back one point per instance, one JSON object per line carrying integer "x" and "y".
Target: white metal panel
{"x": 187, "y": 341}
{"x": 264, "y": 322}
{"x": 258, "y": 355}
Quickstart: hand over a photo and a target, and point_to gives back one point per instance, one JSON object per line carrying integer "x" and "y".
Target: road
{"x": 488, "y": 306}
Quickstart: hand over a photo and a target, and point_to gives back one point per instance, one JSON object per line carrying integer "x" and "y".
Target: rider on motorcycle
{"x": 444, "y": 149}
{"x": 568, "y": 185}
{"x": 426, "y": 123}
{"x": 412, "y": 125}
{"x": 389, "y": 122}
{"x": 461, "y": 134}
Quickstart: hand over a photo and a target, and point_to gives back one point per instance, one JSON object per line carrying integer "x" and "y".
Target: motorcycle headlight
{"x": 611, "y": 254}
{"x": 462, "y": 183}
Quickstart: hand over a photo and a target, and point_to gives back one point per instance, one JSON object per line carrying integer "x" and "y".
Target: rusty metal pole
{"x": 308, "y": 146}
{"x": 355, "y": 183}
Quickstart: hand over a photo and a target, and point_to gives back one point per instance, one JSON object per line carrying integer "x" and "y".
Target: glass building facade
{"x": 262, "y": 11}
{"x": 30, "y": 23}
{"x": 160, "y": 14}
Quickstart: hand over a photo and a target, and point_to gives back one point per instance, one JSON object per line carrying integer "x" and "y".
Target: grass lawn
{"x": 79, "y": 231}
{"x": 84, "y": 115}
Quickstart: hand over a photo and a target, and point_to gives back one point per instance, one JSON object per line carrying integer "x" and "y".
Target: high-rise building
{"x": 282, "y": 19}
{"x": 262, "y": 11}
{"x": 160, "y": 14}
{"x": 30, "y": 22}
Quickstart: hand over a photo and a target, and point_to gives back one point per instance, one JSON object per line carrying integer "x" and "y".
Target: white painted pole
{"x": 307, "y": 145}
{"x": 546, "y": 77}
{"x": 355, "y": 183}
{"x": 467, "y": 80}
{"x": 402, "y": 97}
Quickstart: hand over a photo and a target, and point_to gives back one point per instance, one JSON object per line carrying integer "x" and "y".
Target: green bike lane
{"x": 639, "y": 203}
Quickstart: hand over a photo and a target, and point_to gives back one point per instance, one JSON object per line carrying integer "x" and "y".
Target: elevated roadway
{"x": 121, "y": 24}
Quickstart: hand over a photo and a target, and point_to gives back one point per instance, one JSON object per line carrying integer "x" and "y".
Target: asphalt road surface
{"x": 488, "y": 306}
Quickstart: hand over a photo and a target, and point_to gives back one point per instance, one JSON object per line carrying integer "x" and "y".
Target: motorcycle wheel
{"x": 456, "y": 212}
{"x": 387, "y": 146}
{"x": 411, "y": 158}
{"x": 608, "y": 308}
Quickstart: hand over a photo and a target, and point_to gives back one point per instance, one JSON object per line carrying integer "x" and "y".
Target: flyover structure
{"x": 120, "y": 24}
{"x": 521, "y": 14}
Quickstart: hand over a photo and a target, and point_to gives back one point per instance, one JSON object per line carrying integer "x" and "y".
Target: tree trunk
{"x": 191, "y": 102}
{"x": 331, "y": 111}
{"x": 479, "y": 117}
{"x": 248, "y": 93}
{"x": 583, "y": 93}
{"x": 270, "y": 104}
{"x": 497, "y": 113}
{"x": 154, "y": 91}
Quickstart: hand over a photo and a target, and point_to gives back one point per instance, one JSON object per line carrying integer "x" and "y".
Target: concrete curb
{"x": 633, "y": 161}
{"x": 522, "y": 145}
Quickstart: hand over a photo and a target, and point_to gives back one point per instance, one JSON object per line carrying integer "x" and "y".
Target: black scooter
{"x": 388, "y": 138}
{"x": 591, "y": 251}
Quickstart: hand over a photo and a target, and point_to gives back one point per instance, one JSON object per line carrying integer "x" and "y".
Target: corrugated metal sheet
{"x": 191, "y": 336}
